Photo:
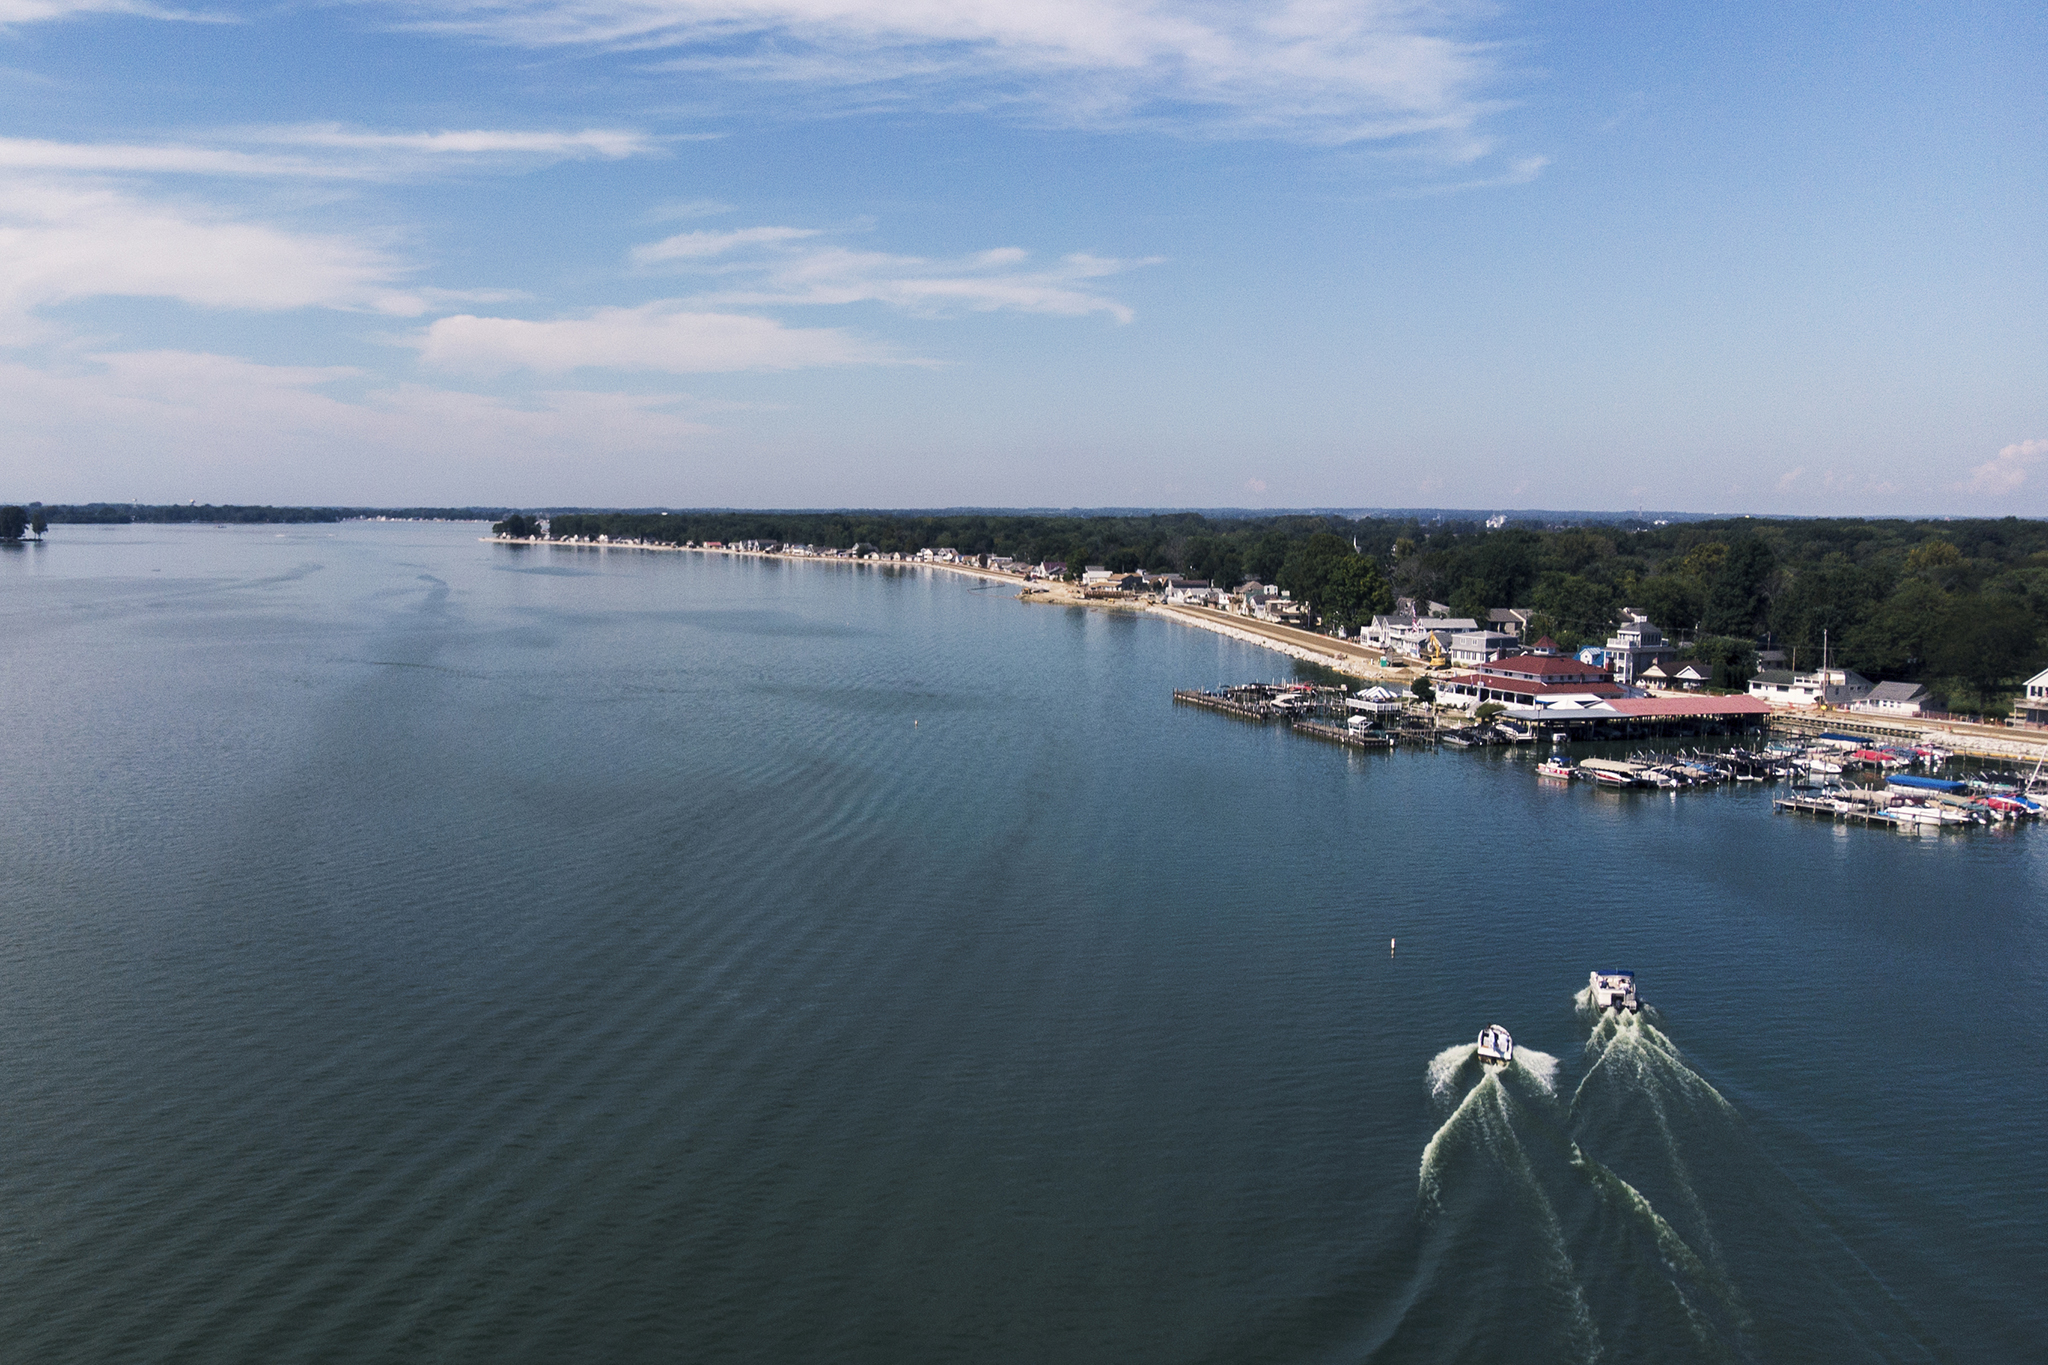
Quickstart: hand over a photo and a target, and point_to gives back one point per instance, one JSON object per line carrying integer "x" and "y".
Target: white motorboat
{"x": 1496, "y": 1046}
{"x": 1614, "y": 991}
{"x": 1553, "y": 768}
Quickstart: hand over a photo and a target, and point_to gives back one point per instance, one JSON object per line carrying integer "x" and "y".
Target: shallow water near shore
{"x": 414, "y": 948}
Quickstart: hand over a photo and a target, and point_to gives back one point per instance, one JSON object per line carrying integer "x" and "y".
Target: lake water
{"x": 413, "y": 948}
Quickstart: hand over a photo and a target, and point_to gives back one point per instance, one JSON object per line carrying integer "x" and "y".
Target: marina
{"x": 1828, "y": 770}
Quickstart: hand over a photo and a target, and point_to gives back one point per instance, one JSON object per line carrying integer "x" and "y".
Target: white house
{"x": 1411, "y": 635}
{"x": 1691, "y": 675}
{"x": 1096, "y": 574}
{"x": 2034, "y": 701}
{"x": 1894, "y": 699}
{"x": 1823, "y": 687}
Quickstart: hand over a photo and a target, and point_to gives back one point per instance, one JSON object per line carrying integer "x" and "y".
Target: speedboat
{"x": 1614, "y": 991}
{"x": 1553, "y": 768}
{"x": 1496, "y": 1046}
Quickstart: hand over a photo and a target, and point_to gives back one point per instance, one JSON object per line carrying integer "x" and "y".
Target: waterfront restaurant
{"x": 1530, "y": 680}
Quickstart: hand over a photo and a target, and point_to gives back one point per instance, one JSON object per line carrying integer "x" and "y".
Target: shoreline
{"x": 1342, "y": 656}
{"x": 1322, "y": 650}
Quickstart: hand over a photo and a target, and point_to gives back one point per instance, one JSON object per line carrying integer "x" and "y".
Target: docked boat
{"x": 1496, "y": 1046}
{"x": 1553, "y": 768}
{"x": 1614, "y": 991}
{"x": 1609, "y": 773}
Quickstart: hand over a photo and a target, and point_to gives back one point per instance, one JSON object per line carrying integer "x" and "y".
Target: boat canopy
{"x": 1927, "y": 784}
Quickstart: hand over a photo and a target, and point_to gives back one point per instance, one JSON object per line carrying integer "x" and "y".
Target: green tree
{"x": 521, "y": 527}
{"x": 1576, "y": 605}
{"x": 13, "y": 521}
{"x": 1354, "y": 592}
{"x": 1900, "y": 635}
{"x": 1740, "y": 597}
{"x": 1674, "y": 601}
{"x": 1338, "y": 584}
{"x": 1423, "y": 689}
{"x": 1987, "y": 642}
{"x": 1268, "y": 557}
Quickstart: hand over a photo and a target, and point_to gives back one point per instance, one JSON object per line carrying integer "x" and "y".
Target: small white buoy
{"x": 1391, "y": 944}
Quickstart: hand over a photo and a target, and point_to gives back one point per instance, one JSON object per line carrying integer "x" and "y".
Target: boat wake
{"x": 1502, "y": 1143}
{"x": 1591, "y": 1222}
{"x": 1455, "y": 1064}
{"x": 1506, "y": 1181}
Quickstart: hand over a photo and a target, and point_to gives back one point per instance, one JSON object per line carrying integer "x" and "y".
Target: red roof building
{"x": 1484, "y": 686}
{"x": 1545, "y": 668}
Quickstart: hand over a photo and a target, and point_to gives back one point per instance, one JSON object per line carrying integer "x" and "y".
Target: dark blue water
{"x": 413, "y": 948}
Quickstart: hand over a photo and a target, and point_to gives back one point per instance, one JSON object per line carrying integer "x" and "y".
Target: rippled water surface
{"x": 413, "y": 948}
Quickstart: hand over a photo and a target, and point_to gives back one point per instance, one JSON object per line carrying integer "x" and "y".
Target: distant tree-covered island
{"x": 1961, "y": 606}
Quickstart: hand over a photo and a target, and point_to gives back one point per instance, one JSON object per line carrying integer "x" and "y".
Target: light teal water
{"x": 412, "y": 948}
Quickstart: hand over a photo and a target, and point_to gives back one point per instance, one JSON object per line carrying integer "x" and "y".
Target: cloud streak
{"x": 664, "y": 337}
{"x": 1318, "y": 70}
{"x": 324, "y": 151}
{"x": 784, "y": 266}
{"x": 15, "y": 12}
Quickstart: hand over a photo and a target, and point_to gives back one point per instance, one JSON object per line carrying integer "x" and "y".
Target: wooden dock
{"x": 1345, "y": 735}
{"x": 1227, "y": 705}
{"x": 1833, "y": 810}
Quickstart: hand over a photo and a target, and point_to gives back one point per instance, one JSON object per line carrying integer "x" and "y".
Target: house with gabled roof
{"x": 1895, "y": 699}
{"x": 2033, "y": 707}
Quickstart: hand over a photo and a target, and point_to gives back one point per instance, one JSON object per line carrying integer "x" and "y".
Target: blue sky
{"x": 1787, "y": 258}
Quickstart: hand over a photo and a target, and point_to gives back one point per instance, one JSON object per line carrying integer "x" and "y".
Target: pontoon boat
{"x": 1614, "y": 991}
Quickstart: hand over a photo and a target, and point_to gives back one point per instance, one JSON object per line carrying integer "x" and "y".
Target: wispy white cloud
{"x": 13, "y": 12}
{"x": 665, "y": 337}
{"x": 323, "y": 151}
{"x": 1521, "y": 171}
{"x": 1321, "y": 70}
{"x": 700, "y": 245}
{"x": 612, "y": 144}
{"x": 2008, "y": 470}
{"x": 783, "y": 266}
{"x": 62, "y": 241}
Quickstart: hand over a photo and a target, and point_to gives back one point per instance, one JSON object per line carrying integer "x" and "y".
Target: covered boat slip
{"x": 1633, "y": 717}
{"x": 1927, "y": 784}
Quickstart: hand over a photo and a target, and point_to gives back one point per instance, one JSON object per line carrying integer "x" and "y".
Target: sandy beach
{"x": 1344, "y": 656}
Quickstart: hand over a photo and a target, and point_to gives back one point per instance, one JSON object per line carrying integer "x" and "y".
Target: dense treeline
{"x": 1960, "y": 605}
